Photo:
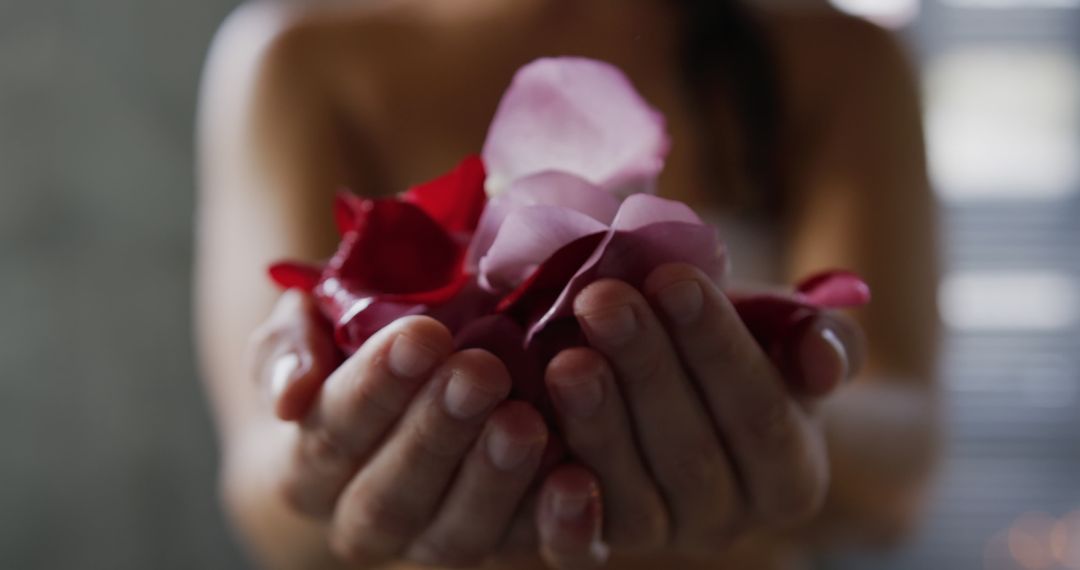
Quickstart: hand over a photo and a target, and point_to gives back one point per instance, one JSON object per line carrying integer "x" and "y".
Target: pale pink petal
{"x": 544, "y": 188}
{"x": 631, "y": 255}
{"x": 579, "y": 116}
{"x": 528, "y": 236}
{"x": 641, "y": 210}
{"x": 563, "y": 189}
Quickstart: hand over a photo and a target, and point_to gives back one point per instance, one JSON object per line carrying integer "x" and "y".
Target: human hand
{"x": 407, "y": 451}
{"x": 694, "y": 435}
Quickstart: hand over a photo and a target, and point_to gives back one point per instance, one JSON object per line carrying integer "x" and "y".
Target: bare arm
{"x": 865, "y": 203}
{"x": 406, "y": 452}
{"x": 266, "y": 171}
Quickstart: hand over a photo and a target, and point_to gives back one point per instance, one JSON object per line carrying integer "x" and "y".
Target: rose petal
{"x": 529, "y": 236}
{"x": 502, "y": 337}
{"x": 641, "y": 210}
{"x": 348, "y": 211}
{"x": 356, "y": 316}
{"x": 395, "y": 248}
{"x": 578, "y": 116}
{"x": 292, "y": 275}
{"x": 544, "y": 188}
{"x": 539, "y": 292}
{"x": 834, "y": 289}
{"x": 456, "y": 199}
{"x": 773, "y": 318}
{"x": 630, "y": 255}
{"x": 563, "y": 189}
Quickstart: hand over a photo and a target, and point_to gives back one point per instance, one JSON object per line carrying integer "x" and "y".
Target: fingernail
{"x": 613, "y": 326}
{"x": 506, "y": 453}
{"x": 833, "y": 340}
{"x": 410, "y": 359}
{"x": 568, "y": 506}
{"x": 464, "y": 400}
{"x": 682, "y": 301}
{"x": 283, "y": 373}
{"x": 579, "y": 397}
{"x": 822, "y": 359}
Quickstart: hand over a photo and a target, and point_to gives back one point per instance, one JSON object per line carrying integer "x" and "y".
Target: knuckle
{"x": 323, "y": 452}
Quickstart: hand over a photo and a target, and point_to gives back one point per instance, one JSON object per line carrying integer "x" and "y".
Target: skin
{"x": 692, "y": 449}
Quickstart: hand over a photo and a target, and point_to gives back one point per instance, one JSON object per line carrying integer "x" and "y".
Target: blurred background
{"x": 108, "y": 455}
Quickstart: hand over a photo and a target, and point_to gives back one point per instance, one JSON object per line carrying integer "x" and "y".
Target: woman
{"x": 800, "y": 130}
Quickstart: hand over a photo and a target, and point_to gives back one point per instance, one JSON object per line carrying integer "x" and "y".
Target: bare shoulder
{"x": 375, "y": 39}
{"x": 823, "y": 54}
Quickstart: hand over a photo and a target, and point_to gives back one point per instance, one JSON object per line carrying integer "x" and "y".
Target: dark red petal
{"x": 769, "y": 317}
{"x": 539, "y": 292}
{"x": 456, "y": 199}
{"x": 395, "y": 249}
{"x": 505, "y": 339}
{"x": 372, "y": 315}
{"x": 434, "y": 296}
{"x": 292, "y": 275}
{"x": 348, "y": 211}
{"x": 834, "y": 289}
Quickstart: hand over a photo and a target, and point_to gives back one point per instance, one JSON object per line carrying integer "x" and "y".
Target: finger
{"x": 593, "y": 421}
{"x": 357, "y": 406}
{"x": 293, "y": 353}
{"x": 824, "y": 351}
{"x": 570, "y": 519}
{"x": 673, "y": 429}
{"x": 779, "y": 457}
{"x": 521, "y": 538}
{"x": 482, "y": 500}
{"x": 391, "y": 499}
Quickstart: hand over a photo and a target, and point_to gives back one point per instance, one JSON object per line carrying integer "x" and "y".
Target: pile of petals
{"x": 562, "y": 195}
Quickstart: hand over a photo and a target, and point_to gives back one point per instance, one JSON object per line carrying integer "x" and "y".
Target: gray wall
{"x": 106, "y": 451}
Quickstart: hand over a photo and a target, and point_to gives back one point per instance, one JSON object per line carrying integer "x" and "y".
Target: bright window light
{"x": 889, "y": 13}
{"x": 1013, "y": 4}
{"x": 1009, "y": 301}
{"x": 1004, "y": 123}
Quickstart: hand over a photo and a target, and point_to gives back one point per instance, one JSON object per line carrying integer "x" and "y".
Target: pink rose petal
{"x": 528, "y": 236}
{"x": 578, "y": 116}
{"x": 665, "y": 236}
{"x": 640, "y": 210}
{"x": 544, "y": 188}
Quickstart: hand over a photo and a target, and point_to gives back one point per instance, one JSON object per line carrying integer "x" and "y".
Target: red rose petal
{"x": 348, "y": 210}
{"x": 535, "y": 296}
{"x": 456, "y": 199}
{"x": 395, "y": 249}
{"x": 292, "y": 275}
{"x": 834, "y": 289}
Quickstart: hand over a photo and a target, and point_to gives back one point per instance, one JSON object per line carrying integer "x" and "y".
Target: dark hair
{"x": 725, "y": 51}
